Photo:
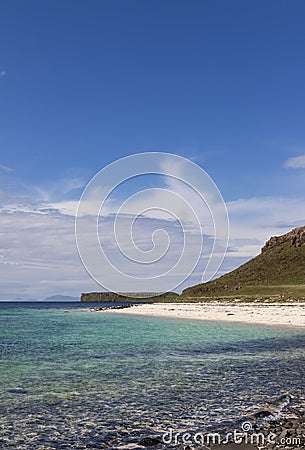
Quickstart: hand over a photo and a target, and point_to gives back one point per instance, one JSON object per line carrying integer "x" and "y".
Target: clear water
{"x": 73, "y": 378}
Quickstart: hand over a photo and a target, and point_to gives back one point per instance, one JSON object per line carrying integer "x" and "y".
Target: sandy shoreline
{"x": 292, "y": 314}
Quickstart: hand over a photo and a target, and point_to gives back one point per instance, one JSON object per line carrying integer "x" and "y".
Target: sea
{"x": 74, "y": 378}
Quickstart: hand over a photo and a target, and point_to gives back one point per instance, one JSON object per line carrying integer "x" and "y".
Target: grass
{"x": 278, "y": 274}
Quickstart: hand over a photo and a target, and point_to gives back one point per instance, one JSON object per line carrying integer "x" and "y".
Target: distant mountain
{"x": 61, "y": 298}
{"x": 278, "y": 273}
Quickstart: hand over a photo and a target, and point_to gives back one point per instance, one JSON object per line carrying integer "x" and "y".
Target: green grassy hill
{"x": 278, "y": 273}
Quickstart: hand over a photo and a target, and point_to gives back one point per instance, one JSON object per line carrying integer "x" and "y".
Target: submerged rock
{"x": 150, "y": 441}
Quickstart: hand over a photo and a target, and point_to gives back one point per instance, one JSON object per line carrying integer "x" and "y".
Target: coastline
{"x": 282, "y": 314}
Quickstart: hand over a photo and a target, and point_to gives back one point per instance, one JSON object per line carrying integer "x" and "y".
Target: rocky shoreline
{"x": 107, "y": 308}
{"x": 279, "y": 427}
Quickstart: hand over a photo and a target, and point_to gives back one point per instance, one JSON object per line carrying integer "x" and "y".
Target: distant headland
{"x": 61, "y": 298}
{"x": 128, "y": 296}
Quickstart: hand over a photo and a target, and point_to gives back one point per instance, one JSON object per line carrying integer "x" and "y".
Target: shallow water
{"x": 72, "y": 378}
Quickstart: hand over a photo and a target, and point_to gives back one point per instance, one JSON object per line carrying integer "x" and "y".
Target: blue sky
{"x": 85, "y": 83}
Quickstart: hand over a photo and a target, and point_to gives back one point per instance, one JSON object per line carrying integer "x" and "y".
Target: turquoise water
{"x": 73, "y": 378}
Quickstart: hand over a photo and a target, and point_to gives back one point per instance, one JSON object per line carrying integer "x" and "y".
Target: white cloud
{"x": 38, "y": 253}
{"x": 296, "y": 162}
{"x": 2, "y": 73}
{"x": 261, "y": 217}
{"x": 6, "y": 168}
{"x": 39, "y": 256}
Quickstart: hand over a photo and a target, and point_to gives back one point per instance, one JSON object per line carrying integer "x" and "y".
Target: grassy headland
{"x": 276, "y": 275}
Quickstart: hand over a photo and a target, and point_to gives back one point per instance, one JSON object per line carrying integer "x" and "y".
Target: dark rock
{"x": 150, "y": 441}
{"x": 262, "y": 414}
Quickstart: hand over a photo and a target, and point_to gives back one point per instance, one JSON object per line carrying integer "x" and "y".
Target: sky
{"x": 85, "y": 83}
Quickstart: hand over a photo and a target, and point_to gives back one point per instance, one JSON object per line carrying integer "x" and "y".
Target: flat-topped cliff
{"x": 132, "y": 296}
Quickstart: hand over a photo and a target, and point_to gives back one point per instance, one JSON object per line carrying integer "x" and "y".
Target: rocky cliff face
{"x": 296, "y": 238}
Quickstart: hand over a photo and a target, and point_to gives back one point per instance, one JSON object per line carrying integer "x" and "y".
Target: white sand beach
{"x": 292, "y": 314}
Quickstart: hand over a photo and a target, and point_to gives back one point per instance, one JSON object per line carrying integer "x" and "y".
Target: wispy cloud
{"x": 15, "y": 189}
{"x": 6, "y": 168}
{"x": 2, "y": 73}
{"x": 259, "y": 218}
{"x": 296, "y": 162}
{"x": 62, "y": 188}
{"x": 38, "y": 253}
